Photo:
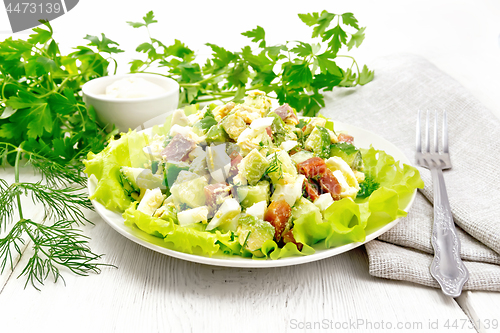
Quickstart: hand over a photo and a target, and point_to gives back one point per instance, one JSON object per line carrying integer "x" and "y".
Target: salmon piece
{"x": 312, "y": 168}
{"x": 278, "y": 213}
{"x": 286, "y": 113}
{"x": 235, "y": 160}
{"x": 215, "y": 195}
{"x": 288, "y": 238}
{"x": 283, "y": 111}
{"x": 269, "y": 131}
{"x": 311, "y": 190}
{"x": 330, "y": 184}
{"x": 178, "y": 149}
{"x": 342, "y": 137}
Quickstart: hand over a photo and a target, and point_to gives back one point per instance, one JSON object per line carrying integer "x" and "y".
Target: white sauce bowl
{"x": 130, "y": 113}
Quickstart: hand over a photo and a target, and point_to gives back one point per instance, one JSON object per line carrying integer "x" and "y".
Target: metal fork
{"x": 447, "y": 267}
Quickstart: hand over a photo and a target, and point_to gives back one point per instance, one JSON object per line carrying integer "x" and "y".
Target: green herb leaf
{"x": 257, "y": 34}
{"x": 148, "y": 19}
{"x": 103, "y": 44}
{"x": 356, "y": 38}
{"x": 303, "y": 49}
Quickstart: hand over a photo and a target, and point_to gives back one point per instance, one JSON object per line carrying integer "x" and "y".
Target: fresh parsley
{"x": 296, "y": 72}
{"x": 367, "y": 187}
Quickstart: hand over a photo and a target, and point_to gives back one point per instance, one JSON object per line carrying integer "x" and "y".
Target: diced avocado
{"x": 258, "y": 100}
{"x": 233, "y": 125}
{"x": 166, "y": 212}
{"x": 171, "y": 171}
{"x": 202, "y": 126}
{"x": 304, "y": 207}
{"x": 249, "y": 195}
{"x": 253, "y": 232}
{"x": 130, "y": 176}
{"x": 216, "y": 134}
{"x": 280, "y": 164}
{"x": 278, "y": 128}
{"x": 301, "y": 156}
{"x": 349, "y": 153}
{"x": 191, "y": 109}
{"x": 190, "y": 192}
{"x": 319, "y": 142}
{"x": 313, "y": 123}
{"x": 253, "y": 166}
{"x": 141, "y": 178}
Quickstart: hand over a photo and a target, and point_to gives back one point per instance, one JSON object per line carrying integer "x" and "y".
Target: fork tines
{"x": 432, "y": 151}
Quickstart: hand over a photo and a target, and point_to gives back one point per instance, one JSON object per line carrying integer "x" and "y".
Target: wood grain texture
{"x": 151, "y": 292}
{"x": 483, "y": 309}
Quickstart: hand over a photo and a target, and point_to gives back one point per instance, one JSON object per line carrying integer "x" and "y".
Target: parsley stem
{"x": 353, "y": 61}
{"x": 16, "y": 177}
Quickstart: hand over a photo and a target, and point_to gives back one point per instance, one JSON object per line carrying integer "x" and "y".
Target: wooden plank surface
{"x": 151, "y": 292}
{"x": 483, "y": 308}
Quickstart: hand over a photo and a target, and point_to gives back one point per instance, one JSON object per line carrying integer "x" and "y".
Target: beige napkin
{"x": 388, "y": 106}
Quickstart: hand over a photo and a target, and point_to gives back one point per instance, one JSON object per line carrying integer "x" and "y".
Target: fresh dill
{"x": 246, "y": 240}
{"x": 55, "y": 245}
{"x": 275, "y": 165}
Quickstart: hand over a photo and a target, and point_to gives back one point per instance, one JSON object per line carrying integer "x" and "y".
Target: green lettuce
{"x": 184, "y": 239}
{"x": 105, "y": 166}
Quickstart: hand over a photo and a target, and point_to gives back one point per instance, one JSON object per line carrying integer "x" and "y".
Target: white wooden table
{"x": 150, "y": 292}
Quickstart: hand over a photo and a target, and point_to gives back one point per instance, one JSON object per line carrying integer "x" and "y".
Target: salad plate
{"x": 363, "y": 139}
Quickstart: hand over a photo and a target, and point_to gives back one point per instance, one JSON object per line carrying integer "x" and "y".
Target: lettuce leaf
{"x": 105, "y": 166}
{"x": 184, "y": 239}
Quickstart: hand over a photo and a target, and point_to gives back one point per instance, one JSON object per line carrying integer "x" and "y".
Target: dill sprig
{"x": 63, "y": 203}
{"x": 55, "y": 245}
{"x": 275, "y": 165}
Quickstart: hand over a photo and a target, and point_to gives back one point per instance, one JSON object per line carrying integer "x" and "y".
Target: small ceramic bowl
{"x": 130, "y": 113}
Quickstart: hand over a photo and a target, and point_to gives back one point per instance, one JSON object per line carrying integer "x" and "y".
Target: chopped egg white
{"x": 193, "y": 215}
{"x": 218, "y": 162}
{"x": 323, "y": 201}
{"x": 261, "y": 123}
{"x": 257, "y": 209}
{"x": 155, "y": 147}
{"x": 179, "y": 118}
{"x": 288, "y": 145}
{"x": 151, "y": 201}
{"x": 337, "y": 163}
{"x": 228, "y": 210}
{"x": 291, "y": 192}
{"x": 187, "y": 132}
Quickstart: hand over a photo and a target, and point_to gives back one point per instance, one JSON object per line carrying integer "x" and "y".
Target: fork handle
{"x": 447, "y": 266}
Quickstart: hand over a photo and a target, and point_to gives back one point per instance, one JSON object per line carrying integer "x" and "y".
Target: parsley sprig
{"x": 296, "y": 72}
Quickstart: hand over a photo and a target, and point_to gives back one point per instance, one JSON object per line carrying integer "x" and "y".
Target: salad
{"x": 250, "y": 180}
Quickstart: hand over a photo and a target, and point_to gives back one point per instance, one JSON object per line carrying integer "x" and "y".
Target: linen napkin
{"x": 388, "y": 106}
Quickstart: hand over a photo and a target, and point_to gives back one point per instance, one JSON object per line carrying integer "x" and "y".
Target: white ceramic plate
{"x": 362, "y": 139}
